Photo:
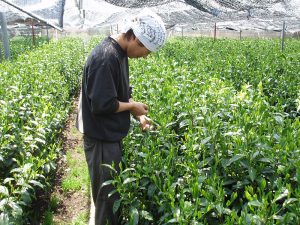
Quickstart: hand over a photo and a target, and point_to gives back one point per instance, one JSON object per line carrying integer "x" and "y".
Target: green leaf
{"x": 279, "y": 119}
{"x": 110, "y": 167}
{"x": 128, "y": 170}
{"x": 234, "y": 159}
{"x": 116, "y": 205}
{"x": 220, "y": 209}
{"x": 170, "y": 124}
{"x": 184, "y": 123}
{"x": 27, "y": 167}
{"x": 233, "y": 133}
{"x": 3, "y": 203}
{"x": 112, "y": 193}
{"x": 17, "y": 210}
{"x": 262, "y": 184}
{"x": 255, "y": 203}
{"x": 255, "y": 154}
{"x": 34, "y": 122}
{"x": 142, "y": 154}
{"x": 289, "y": 201}
{"x": 228, "y": 181}
{"x": 282, "y": 195}
{"x": 106, "y": 183}
{"x": 252, "y": 173}
{"x": 248, "y": 196}
{"x": 206, "y": 140}
{"x": 46, "y": 168}
{"x": 129, "y": 180}
{"x": 174, "y": 220}
{"x": 26, "y": 198}
{"x": 134, "y": 216}
{"x": 36, "y": 183}
{"x": 277, "y": 217}
{"x": 40, "y": 140}
{"x": 7, "y": 180}
{"x": 151, "y": 190}
{"x": 4, "y": 191}
{"x": 16, "y": 170}
{"x": 146, "y": 215}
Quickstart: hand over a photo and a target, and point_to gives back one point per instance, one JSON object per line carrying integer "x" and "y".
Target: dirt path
{"x": 74, "y": 203}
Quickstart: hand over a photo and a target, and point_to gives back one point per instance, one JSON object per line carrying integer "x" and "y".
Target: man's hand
{"x": 146, "y": 123}
{"x": 138, "y": 109}
{"x": 135, "y": 108}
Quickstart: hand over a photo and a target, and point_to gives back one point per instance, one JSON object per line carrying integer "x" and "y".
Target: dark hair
{"x": 129, "y": 34}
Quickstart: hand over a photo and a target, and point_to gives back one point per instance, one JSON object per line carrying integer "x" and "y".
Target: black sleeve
{"x": 101, "y": 86}
{"x": 130, "y": 91}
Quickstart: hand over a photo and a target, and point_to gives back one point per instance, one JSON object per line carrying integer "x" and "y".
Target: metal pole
{"x": 215, "y": 32}
{"x": 47, "y": 27}
{"x": 283, "y": 34}
{"x": 240, "y": 34}
{"x": 4, "y": 36}
{"x": 182, "y": 32}
{"x": 33, "y": 35}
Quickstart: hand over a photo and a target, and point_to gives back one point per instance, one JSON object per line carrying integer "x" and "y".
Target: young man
{"x": 106, "y": 104}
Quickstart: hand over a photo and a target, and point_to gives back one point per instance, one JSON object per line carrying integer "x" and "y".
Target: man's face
{"x": 136, "y": 49}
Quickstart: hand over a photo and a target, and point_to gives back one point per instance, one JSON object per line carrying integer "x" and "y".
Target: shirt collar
{"x": 118, "y": 47}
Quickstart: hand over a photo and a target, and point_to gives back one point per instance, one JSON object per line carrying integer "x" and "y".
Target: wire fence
{"x": 220, "y": 32}
{"x": 209, "y": 30}
{"x": 212, "y": 30}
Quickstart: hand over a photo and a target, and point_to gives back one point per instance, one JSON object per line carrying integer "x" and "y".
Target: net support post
{"x": 5, "y": 40}
{"x": 215, "y": 31}
{"x": 283, "y": 36}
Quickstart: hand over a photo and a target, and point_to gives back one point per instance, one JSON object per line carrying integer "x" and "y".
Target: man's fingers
{"x": 146, "y": 107}
{"x": 140, "y": 109}
{"x": 148, "y": 119}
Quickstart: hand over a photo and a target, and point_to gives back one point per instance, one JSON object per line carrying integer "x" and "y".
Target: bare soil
{"x": 70, "y": 204}
{"x": 73, "y": 203}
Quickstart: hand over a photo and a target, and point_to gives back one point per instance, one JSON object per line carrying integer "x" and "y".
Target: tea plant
{"x": 226, "y": 145}
{"x": 20, "y": 45}
{"x": 35, "y": 96}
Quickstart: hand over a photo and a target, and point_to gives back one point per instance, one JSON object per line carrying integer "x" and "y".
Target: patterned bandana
{"x": 149, "y": 28}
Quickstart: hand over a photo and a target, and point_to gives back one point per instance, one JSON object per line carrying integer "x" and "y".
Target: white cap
{"x": 149, "y": 28}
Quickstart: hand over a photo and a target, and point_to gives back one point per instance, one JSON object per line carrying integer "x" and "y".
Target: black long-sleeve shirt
{"x": 105, "y": 82}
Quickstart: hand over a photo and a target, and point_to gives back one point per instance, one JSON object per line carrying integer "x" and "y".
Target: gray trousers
{"x": 97, "y": 153}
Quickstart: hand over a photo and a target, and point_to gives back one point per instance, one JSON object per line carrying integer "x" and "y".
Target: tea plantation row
{"x": 20, "y": 45}
{"x": 36, "y": 92}
{"x": 226, "y": 148}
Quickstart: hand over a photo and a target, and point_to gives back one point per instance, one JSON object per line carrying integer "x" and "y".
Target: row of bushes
{"x": 35, "y": 95}
{"x": 19, "y": 45}
{"x": 226, "y": 147}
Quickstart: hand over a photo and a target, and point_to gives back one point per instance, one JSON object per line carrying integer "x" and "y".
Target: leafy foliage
{"x": 20, "y": 45}
{"x": 226, "y": 145}
{"x": 35, "y": 96}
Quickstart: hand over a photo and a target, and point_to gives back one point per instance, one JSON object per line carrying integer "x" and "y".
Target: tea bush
{"x": 226, "y": 145}
{"x": 35, "y": 95}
